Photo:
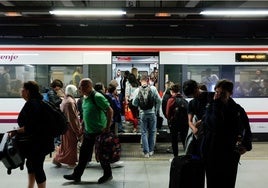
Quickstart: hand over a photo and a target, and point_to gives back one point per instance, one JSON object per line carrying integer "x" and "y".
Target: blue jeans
{"x": 148, "y": 128}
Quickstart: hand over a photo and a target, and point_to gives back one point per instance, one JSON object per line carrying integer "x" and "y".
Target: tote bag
{"x": 128, "y": 114}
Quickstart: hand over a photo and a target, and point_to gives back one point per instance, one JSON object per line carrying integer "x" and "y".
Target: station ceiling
{"x": 31, "y": 19}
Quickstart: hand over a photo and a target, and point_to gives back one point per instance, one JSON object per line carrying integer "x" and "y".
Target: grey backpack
{"x": 146, "y": 98}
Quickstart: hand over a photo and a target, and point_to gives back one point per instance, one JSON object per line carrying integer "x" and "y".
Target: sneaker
{"x": 90, "y": 164}
{"x": 151, "y": 153}
{"x": 146, "y": 155}
{"x": 117, "y": 164}
{"x": 71, "y": 166}
{"x": 104, "y": 179}
{"x": 72, "y": 177}
{"x": 169, "y": 150}
{"x": 58, "y": 164}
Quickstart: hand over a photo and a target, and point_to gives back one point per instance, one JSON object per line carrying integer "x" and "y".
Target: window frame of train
{"x": 245, "y": 77}
{"x": 236, "y": 73}
{"x": 42, "y": 74}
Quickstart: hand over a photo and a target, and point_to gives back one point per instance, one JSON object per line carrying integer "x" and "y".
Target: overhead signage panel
{"x": 251, "y": 57}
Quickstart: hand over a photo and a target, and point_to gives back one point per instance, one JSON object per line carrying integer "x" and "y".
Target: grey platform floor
{"x": 139, "y": 172}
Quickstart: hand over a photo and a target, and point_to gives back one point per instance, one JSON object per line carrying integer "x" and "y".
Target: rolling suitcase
{"x": 9, "y": 154}
{"x": 187, "y": 171}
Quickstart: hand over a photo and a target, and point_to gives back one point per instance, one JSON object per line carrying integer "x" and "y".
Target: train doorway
{"x": 138, "y": 63}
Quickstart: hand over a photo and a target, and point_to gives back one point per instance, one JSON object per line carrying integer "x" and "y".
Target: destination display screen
{"x": 251, "y": 57}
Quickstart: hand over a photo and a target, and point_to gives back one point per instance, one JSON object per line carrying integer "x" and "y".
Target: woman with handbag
{"x": 131, "y": 85}
{"x": 32, "y": 123}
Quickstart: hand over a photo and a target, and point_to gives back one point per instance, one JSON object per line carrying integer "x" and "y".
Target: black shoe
{"x": 104, "y": 179}
{"x": 72, "y": 177}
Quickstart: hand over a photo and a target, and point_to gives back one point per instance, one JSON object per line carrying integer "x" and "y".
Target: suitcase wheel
{"x": 8, "y": 171}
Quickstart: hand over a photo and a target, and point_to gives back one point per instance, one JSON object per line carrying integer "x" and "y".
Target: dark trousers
{"x": 225, "y": 175}
{"x": 35, "y": 165}
{"x": 222, "y": 167}
{"x": 175, "y": 132}
{"x": 86, "y": 152}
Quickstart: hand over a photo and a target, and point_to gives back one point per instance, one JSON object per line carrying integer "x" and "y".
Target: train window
{"x": 98, "y": 73}
{"x": 251, "y": 81}
{"x": 13, "y": 76}
{"x": 207, "y": 75}
{"x": 173, "y": 73}
{"x": 11, "y": 80}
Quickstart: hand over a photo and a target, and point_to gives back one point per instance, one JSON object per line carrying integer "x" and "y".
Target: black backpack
{"x": 179, "y": 114}
{"x": 146, "y": 98}
{"x": 244, "y": 128}
{"x": 56, "y": 121}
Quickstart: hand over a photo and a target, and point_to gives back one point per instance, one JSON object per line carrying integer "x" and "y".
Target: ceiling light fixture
{"x": 235, "y": 12}
{"x": 162, "y": 14}
{"x": 12, "y": 14}
{"x": 87, "y": 12}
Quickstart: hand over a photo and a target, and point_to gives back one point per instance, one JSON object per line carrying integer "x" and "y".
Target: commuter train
{"x": 246, "y": 66}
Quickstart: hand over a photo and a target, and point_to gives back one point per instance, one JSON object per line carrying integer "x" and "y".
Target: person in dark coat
{"x": 196, "y": 110}
{"x": 166, "y": 96}
{"x": 32, "y": 124}
{"x": 53, "y": 94}
{"x": 227, "y": 136}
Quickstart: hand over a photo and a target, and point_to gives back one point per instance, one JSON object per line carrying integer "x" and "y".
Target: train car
{"x": 246, "y": 66}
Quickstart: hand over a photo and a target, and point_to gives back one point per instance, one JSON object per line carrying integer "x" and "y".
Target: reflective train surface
{"x": 246, "y": 66}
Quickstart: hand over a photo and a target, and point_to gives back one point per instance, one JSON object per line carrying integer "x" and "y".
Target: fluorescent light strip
{"x": 87, "y": 12}
{"x": 235, "y": 12}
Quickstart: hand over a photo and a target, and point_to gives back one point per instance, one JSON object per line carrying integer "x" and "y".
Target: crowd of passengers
{"x": 98, "y": 112}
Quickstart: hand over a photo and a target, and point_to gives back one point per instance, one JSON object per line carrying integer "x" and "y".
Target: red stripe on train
{"x": 9, "y": 113}
{"x": 8, "y": 120}
{"x": 133, "y": 49}
{"x": 257, "y": 113}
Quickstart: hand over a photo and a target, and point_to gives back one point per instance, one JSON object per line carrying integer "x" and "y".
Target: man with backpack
{"x": 176, "y": 113}
{"x": 148, "y": 100}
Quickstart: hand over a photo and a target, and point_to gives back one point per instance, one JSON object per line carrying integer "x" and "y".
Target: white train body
{"x": 60, "y": 56}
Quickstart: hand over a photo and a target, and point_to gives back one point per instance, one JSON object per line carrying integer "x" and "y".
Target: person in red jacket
{"x": 176, "y": 113}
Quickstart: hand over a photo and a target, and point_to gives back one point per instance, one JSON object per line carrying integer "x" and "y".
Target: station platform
{"x": 135, "y": 171}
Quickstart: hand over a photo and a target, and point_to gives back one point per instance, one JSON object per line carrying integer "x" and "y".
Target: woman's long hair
{"x": 33, "y": 89}
{"x": 133, "y": 80}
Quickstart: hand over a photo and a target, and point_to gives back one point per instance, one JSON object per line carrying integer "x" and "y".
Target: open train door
{"x": 135, "y": 62}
